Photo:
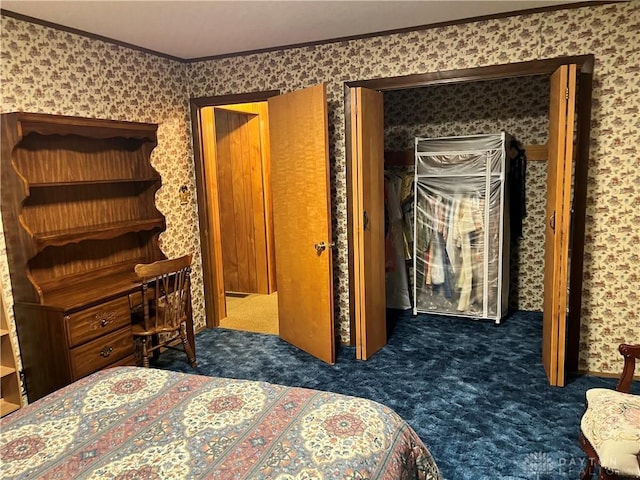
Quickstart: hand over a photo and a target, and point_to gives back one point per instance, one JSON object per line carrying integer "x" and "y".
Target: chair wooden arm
{"x": 630, "y": 354}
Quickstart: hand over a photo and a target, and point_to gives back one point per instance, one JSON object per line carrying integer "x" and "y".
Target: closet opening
{"x": 494, "y": 228}
{"x": 517, "y": 99}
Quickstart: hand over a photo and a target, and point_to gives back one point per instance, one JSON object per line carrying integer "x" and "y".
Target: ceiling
{"x": 197, "y": 29}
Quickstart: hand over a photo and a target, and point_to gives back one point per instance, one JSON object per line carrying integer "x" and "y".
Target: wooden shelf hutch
{"x": 78, "y": 207}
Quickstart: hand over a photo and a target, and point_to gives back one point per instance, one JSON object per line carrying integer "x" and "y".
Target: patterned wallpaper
{"x": 519, "y": 106}
{"x": 44, "y": 70}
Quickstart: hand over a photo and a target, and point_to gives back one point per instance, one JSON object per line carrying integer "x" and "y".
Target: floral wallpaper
{"x": 45, "y": 70}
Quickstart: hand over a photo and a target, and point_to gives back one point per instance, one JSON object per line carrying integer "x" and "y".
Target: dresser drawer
{"x": 94, "y": 322}
{"x": 101, "y": 352}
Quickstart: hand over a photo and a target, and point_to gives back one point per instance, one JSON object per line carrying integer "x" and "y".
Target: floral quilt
{"x": 137, "y": 423}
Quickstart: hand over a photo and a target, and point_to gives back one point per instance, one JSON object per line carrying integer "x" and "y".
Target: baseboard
{"x": 237, "y": 294}
{"x": 604, "y": 374}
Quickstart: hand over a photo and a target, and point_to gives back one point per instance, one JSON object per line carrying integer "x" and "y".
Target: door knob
{"x": 320, "y": 247}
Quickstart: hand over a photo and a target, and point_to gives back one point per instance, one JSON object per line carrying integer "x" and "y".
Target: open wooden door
{"x": 367, "y": 181}
{"x": 298, "y": 123}
{"x": 558, "y": 215}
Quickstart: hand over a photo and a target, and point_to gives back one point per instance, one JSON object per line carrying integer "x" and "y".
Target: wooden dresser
{"x": 78, "y": 207}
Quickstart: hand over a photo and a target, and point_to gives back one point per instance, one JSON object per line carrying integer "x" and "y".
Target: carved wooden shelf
{"x": 101, "y": 232}
{"x": 78, "y": 208}
{"x": 81, "y": 183}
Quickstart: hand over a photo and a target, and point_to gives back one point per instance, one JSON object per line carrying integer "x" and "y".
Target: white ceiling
{"x": 195, "y": 29}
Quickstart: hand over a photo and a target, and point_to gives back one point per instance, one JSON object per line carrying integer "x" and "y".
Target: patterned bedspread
{"x": 135, "y": 423}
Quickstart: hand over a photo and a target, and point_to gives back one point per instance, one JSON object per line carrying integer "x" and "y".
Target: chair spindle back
{"x": 166, "y": 292}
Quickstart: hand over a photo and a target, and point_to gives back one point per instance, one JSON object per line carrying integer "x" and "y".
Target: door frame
{"x": 585, "y": 65}
{"x": 211, "y": 250}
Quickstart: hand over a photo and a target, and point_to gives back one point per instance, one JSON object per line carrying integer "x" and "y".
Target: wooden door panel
{"x": 241, "y": 197}
{"x": 258, "y": 219}
{"x": 558, "y": 213}
{"x": 298, "y": 124}
{"x": 224, "y": 164}
{"x": 242, "y": 232}
{"x": 368, "y": 221}
{"x": 565, "y": 227}
{"x": 557, "y": 117}
{"x": 260, "y": 121}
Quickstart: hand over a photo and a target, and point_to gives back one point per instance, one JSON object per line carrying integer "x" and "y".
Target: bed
{"x": 141, "y": 423}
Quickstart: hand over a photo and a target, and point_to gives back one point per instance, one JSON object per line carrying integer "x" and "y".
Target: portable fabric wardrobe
{"x": 461, "y": 229}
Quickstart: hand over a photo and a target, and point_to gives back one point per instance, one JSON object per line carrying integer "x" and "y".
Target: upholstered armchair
{"x": 610, "y": 426}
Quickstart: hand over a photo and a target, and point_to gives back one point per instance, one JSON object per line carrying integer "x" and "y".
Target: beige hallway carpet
{"x": 252, "y": 313}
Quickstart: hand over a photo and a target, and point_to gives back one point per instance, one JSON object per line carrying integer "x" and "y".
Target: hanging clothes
{"x": 465, "y": 227}
{"x": 389, "y": 247}
{"x": 517, "y": 189}
{"x": 439, "y": 271}
{"x": 436, "y": 264}
{"x": 450, "y": 234}
{"x": 396, "y": 279}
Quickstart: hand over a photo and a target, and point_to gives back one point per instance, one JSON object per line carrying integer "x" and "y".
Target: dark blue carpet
{"x": 476, "y": 393}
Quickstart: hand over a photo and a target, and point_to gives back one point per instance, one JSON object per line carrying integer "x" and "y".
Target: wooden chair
{"x": 166, "y": 304}
{"x": 610, "y": 426}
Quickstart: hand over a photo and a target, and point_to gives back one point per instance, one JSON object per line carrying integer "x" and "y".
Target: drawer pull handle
{"x": 106, "y": 351}
{"x": 105, "y": 317}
